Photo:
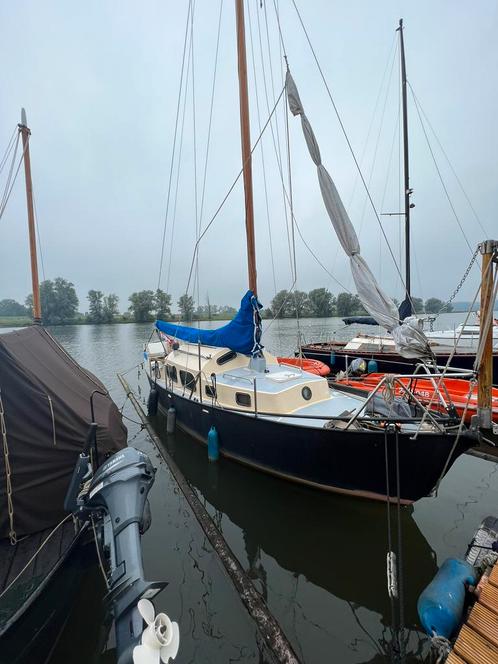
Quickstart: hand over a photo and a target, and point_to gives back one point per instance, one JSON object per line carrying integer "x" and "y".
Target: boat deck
{"x": 477, "y": 642}
{"x": 13, "y": 558}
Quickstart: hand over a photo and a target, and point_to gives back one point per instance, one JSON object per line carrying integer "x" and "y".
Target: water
{"x": 319, "y": 560}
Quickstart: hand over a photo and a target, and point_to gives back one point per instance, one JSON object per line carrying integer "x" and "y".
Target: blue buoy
{"x": 213, "y": 445}
{"x": 440, "y": 606}
{"x": 332, "y": 358}
{"x": 372, "y": 366}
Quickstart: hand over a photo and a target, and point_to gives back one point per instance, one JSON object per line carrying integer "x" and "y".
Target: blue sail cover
{"x": 242, "y": 334}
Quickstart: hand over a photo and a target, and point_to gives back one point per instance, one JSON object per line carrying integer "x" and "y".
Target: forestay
{"x": 408, "y": 336}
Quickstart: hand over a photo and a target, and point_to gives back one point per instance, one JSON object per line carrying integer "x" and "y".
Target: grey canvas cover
{"x": 45, "y": 408}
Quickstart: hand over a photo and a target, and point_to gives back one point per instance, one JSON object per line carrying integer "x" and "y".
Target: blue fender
{"x": 440, "y": 606}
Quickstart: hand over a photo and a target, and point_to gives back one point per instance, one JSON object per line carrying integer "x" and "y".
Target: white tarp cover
{"x": 409, "y": 338}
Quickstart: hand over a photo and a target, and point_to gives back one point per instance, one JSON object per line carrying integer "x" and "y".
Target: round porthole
{"x": 306, "y": 392}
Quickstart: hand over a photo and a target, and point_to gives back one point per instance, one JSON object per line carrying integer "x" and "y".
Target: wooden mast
{"x": 406, "y": 165}
{"x": 489, "y": 251}
{"x": 245, "y": 135}
{"x": 25, "y": 134}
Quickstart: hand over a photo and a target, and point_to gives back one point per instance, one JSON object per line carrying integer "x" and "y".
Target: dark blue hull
{"x": 334, "y": 356}
{"x": 352, "y": 462}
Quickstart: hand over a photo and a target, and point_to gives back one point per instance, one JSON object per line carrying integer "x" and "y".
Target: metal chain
{"x": 10, "y": 505}
{"x": 462, "y": 281}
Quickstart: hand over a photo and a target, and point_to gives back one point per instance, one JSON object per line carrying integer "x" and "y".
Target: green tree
{"x": 345, "y": 305}
{"x": 163, "y": 305}
{"x": 110, "y": 308}
{"x": 418, "y": 305}
{"x": 300, "y": 304}
{"x": 281, "y": 306}
{"x": 59, "y": 302}
{"x": 434, "y": 306}
{"x": 12, "y": 308}
{"x": 142, "y": 305}
{"x": 186, "y": 305}
{"x": 226, "y": 311}
{"x": 95, "y": 306}
{"x": 322, "y": 302}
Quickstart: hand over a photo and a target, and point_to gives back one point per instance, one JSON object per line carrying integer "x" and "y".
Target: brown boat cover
{"x": 45, "y": 399}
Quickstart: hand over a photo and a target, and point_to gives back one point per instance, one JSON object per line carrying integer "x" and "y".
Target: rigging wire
{"x": 194, "y": 133}
{"x": 276, "y": 141}
{"x": 178, "y": 169}
{"x": 37, "y": 227}
{"x": 374, "y": 160}
{"x": 263, "y": 166}
{"x": 449, "y": 162}
{"x": 231, "y": 188}
{"x": 336, "y": 110}
{"x": 165, "y": 223}
{"x": 440, "y": 175}
{"x": 8, "y": 149}
{"x": 11, "y": 179}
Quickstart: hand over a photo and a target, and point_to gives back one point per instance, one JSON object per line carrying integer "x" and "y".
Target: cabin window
{"x": 171, "y": 373}
{"x": 210, "y": 391}
{"x": 187, "y": 379}
{"x": 306, "y": 392}
{"x": 243, "y": 399}
{"x": 226, "y": 357}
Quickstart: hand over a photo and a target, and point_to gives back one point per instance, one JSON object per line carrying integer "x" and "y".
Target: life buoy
{"x": 311, "y": 366}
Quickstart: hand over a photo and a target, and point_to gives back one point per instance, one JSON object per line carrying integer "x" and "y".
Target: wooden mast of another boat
{"x": 406, "y": 165}
{"x": 25, "y": 134}
{"x": 489, "y": 251}
{"x": 245, "y": 135}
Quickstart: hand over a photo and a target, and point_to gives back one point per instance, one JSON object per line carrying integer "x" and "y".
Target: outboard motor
{"x": 115, "y": 500}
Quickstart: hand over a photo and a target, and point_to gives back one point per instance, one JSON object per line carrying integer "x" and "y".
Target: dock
{"x": 477, "y": 642}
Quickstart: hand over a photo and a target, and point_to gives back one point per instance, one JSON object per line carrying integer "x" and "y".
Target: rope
{"x": 99, "y": 556}
{"x": 53, "y": 418}
{"x": 211, "y": 221}
{"x": 315, "y": 57}
{"x": 8, "y": 472}
{"x": 174, "y": 146}
{"x": 8, "y": 149}
{"x": 52, "y": 532}
{"x": 442, "y": 646}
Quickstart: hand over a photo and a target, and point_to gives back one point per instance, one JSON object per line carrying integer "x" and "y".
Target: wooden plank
{"x": 474, "y": 649}
{"x": 453, "y": 658}
{"x": 493, "y": 577}
{"x": 489, "y": 597}
{"x": 485, "y": 622}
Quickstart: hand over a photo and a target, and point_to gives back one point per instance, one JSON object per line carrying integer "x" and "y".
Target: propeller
{"x": 160, "y": 639}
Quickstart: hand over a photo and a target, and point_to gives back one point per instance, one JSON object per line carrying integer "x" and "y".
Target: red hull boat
{"x": 454, "y": 391}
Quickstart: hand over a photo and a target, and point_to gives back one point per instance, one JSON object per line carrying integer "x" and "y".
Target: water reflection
{"x": 321, "y": 540}
{"x": 318, "y": 559}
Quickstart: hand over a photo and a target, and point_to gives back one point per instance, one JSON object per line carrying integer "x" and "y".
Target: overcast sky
{"x": 99, "y": 80}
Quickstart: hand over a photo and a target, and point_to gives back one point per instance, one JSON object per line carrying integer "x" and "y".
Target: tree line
{"x": 321, "y": 303}
{"x": 59, "y": 303}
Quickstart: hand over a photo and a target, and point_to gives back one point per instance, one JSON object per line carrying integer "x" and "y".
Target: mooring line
{"x": 274, "y": 637}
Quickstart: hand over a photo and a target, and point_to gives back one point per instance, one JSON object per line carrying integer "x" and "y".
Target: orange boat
{"x": 312, "y": 366}
{"x": 455, "y": 391}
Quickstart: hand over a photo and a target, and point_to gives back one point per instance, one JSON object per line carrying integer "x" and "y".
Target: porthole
{"x": 226, "y": 357}
{"x": 187, "y": 379}
{"x": 210, "y": 391}
{"x": 306, "y": 392}
{"x": 171, "y": 372}
{"x": 243, "y": 399}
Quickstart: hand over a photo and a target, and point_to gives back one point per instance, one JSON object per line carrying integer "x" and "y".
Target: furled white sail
{"x": 409, "y": 338}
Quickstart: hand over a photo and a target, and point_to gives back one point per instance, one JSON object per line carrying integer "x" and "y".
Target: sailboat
{"x": 279, "y": 419}
{"x": 456, "y": 347}
{"x": 67, "y": 478}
